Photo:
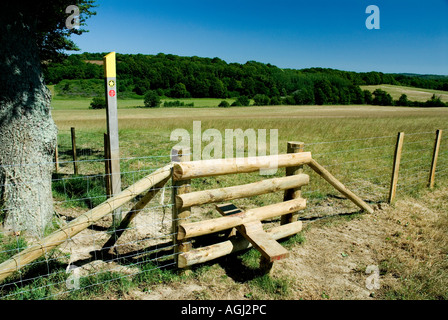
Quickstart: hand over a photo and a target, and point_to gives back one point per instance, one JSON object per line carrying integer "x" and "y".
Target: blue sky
{"x": 413, "y": 35}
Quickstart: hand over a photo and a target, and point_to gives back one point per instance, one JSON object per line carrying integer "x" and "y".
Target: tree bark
{"x": 27, "y": 132}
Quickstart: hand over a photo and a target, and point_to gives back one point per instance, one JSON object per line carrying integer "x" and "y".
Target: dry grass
{"x": 413, "y": 94}
{"x": 329, "y": 258}
{"x": 408, "y": 243}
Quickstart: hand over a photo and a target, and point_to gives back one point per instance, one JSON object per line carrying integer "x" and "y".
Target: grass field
{"x": 356, "y": 143}
{"x": 414, "y": 94}
{"x": 80, "y": 103}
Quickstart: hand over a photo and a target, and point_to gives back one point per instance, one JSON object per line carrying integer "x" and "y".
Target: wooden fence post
{"x": 75, "y": 158}
{"x": 56, "y": 158}
{"x": 107, "y": 169}
{"x": 110, "y": 80}
{"x": 180, "y": 215}
{"x": 396, "y": 167}
{"x": 435, "y": 155}
{"x": 290, "y": 194}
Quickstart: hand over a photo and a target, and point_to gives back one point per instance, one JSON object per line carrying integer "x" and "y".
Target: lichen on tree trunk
{"x": 27, "y": 134}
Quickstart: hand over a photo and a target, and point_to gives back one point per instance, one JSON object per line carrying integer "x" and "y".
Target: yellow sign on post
{"x": 110, "y": 77}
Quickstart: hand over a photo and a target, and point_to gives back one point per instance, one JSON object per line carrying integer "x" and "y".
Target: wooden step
{"x": 254, "y": 233}
{"x": 262, "y": 241}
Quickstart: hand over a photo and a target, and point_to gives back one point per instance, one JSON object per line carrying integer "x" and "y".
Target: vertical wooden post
{"x": 56, "y": 158}
{"x": 180, "y": 215}
{"x": 110, "y": 78}
{"x": 290, "y": 194}
{"x": 435, "y": 155}
{"x": 75, "y": 158}
{"x": 396, "y": 167}
{"x": 107, "y": 166}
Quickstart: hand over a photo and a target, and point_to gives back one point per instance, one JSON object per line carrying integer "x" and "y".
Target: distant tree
{"x": 402, "y": 101}
{"x": 248, "y": 85}
{"x": 304, "y": 96}
{"x": 152, "y": 99}
{"x": 435, "y": 102}
{"x": 217, "y": 89}
{"x": 368, "y": 98}
{"x": 275, "y": 101}
{"x": 382, "y": 98}
{"x": 142, "y": 86}
{"x": 356, "y": 95}
{"x": 180, "y": 91}
{"x": 261, "y": 100}
{"x": 199, "y": 88}
{"x": 323, "y": 94}
{"x": 243, "y": 101}
{"x": 98, "y": 103}
{"x": 320, "y": 96}
{"x": 224, "y": 104}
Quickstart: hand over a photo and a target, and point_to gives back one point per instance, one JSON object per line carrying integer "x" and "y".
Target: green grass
{"x": 83, "y": 103}
{"x": 79, "y": 191}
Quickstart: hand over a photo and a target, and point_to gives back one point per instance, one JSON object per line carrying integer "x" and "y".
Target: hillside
{"x": 414, "y": 94}
{"x": 194, "y": 77}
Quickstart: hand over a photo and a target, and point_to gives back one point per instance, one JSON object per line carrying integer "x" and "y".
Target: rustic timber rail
{"x": 247, "y": 223}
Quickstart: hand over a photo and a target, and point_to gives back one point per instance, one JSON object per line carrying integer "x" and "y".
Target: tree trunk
{"x": 27, "y": 132}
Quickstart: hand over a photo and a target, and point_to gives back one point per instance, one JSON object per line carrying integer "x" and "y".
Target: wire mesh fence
{"x": 96, "y": 257}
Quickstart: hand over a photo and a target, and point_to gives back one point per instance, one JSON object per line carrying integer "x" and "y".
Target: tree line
{"x": 173, "y": 76}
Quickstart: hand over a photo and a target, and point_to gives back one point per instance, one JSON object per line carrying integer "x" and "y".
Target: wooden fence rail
{"x": 50, "y": 242}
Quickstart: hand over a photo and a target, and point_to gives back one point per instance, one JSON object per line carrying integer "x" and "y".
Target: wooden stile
{"x": 216, "y": 167}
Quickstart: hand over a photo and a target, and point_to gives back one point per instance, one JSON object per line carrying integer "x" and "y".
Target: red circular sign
{"x": 112, "y": 93}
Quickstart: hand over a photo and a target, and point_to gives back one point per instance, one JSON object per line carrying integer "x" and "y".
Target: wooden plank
{"x": 262, "y": 241}
{"x": 56, "y": 158}
{"x": 396, "y": 167}
{"x": 107, "y": 166}
{"x": 254, "y": 233}
{"x": 234, "y": 244}
{"x": 77, "y": 225}
{"x": 75, "y": 158}
{"x": 435, "y": 155}
{"x": 110, "y": 80}
{"x": 339, "y": 186}
{"x": 294, "y": 192}
{"x": 216, "y": 167}
{"x": 199, "y": 228}
{"x": 180, "y": 215}
{"x": 241, "y": 191}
